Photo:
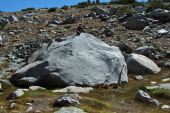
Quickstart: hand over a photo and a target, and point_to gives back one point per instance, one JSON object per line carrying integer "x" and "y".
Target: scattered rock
{"x": 29, "y": 109}
{"x": 16, "y": 94}
{"x": 75, "y": 89}
{"x": 67, "y": 100}
{"x": 70, "y": 110}
{"x": 165, "y": 107}
{"x": 35, "y": 87}
{"x": 144, "y": 97}
{"x": 136, "y": 22}
{"x": 138, "y": 77}
{"x": 139, "y": 64}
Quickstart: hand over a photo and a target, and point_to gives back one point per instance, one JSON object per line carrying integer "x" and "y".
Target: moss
{"x": 161, "y": 93}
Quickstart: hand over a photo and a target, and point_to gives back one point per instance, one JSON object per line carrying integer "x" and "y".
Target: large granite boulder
{"x": 136, "y": 22}
{"x": 81, "y": 60}
{"x": 139, "y": 64}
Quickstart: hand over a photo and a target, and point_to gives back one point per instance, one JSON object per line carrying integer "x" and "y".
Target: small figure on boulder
{"x": 80, "y": 29}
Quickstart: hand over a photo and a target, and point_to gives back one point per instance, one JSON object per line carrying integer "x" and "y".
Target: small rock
{"x": 165, "y": 107}
{"x": 67, "y": 100}
{"x": 29, "y": 109}
{"x": 138, "y": 77}
{"x": 166, "y": 80}
{"x": 1, "y": 107}
{"x": 70, "y": 110}
{"x": 153, "y": 82}
{"x": 35, "y": 87}
{"x": 12, "y": 105}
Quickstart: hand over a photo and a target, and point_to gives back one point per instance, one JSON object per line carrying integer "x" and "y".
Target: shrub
{"x": 82, "y": 4}
{"x": 52, "y": 9}
{"x": 65, "y": 7}
{"x": 161, "y": 93}
{"x": 122, "y": 1}
{"x": 93, "y": 9}
{"x": 28, "y": 9}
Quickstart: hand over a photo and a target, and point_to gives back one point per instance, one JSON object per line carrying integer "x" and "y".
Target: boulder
{"x": 139, "y": 64}
{"x": 144, "y": 97}
{"x": 82, "y": 60}
{"x": 136, "y": 22}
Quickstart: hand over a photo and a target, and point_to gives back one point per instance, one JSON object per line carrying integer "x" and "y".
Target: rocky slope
{"x": 145, "y": 33}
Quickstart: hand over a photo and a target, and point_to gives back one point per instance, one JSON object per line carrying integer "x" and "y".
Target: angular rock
{"x": 3, "y": 22}
{"x": 159, "y": 13}
{"x": 164, "y": 86}
{"x": 145, "y": 50}
{"x": 125, "y": 47}
{"x": 144, "y": 97}
{"x": 16, "y": 94}
{"x": 70, "y": 110}
{"x": 164, "y": 64}
{"x": 69, "y": 20}
{"x": 13, "y": 18}
{"x": 139, "y": 64}
{"x": 136, "y": 22}
{"x": 67, "y": 100}
{"x": 113, "y": 11}
{"x": 80, "y": 60}
{"x": 75, "y": 89}
{"x": 100, "y": 11}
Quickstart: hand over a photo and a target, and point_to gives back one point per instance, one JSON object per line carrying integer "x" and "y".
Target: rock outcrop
{"x": 80, "y": 60}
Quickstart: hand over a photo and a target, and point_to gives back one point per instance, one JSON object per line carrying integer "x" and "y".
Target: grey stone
{"x": 136, "y": 22}
{"x": 16, "y": 94}
{"x": 69, "y": 20}
{"x": 29, "y": 109}
{"x": 3, "y": 21}
{"x": 164, "y": 86}
{"x": 139, "y": 64}
{"x": 164, "y": 64}
{"x": 35, "y": 87}
{"x": 13, "y": 18}
{"x": 100, "y": 11}
{"x": 144, "y": 97}
{"x": 67, "y": 100}
{"x": 113, "y": 11}
{"x": 125, "y": 47}
{"x": 12, "y": 105}
{"x": 145, "y": 50}
{"x": 52, "y": 25}
{"x": 154, "y": 101}
{"x": 75, "y": 89}
{"x": 138, "y": 77}
{"x": 165, "y": 107}
{"x": 159, "y": 13}
{"x": 80, "y": 60}
{"x": 70, "y": 110}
